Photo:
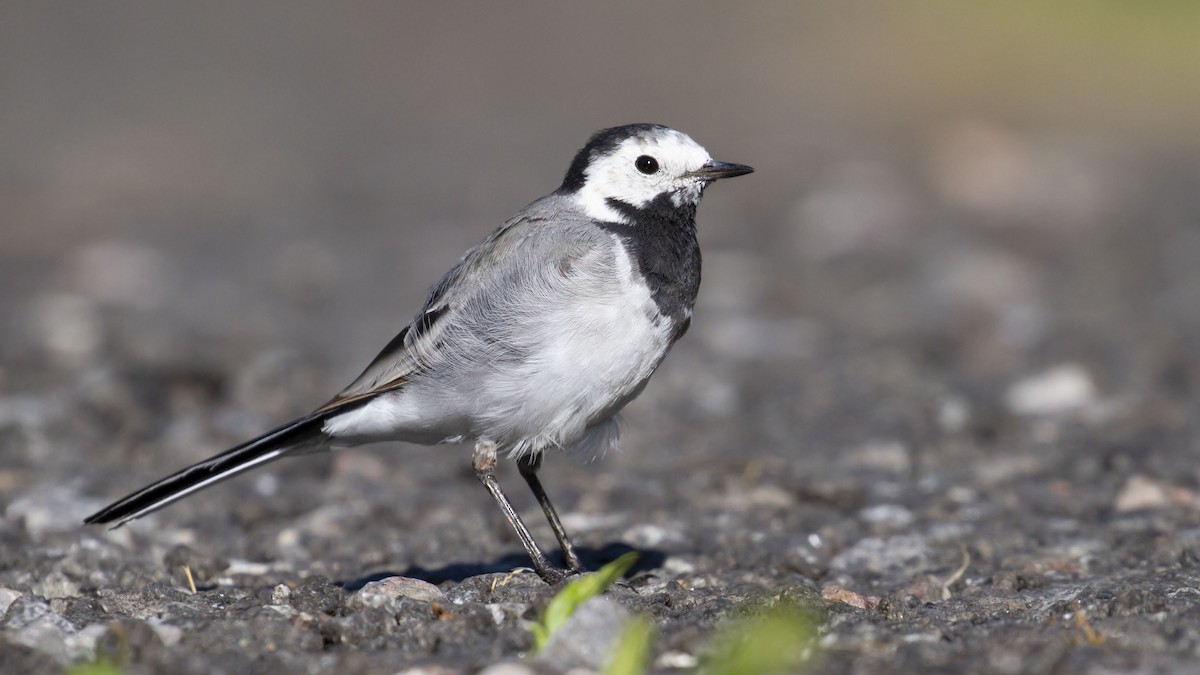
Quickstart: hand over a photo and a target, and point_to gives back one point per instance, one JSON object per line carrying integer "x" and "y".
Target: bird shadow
{"x": 592, "y": 558}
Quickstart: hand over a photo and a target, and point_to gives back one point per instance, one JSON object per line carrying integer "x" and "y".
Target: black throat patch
{"x": 662, "y": 240}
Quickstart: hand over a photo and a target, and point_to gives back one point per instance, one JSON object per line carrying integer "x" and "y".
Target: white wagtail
{"x": 534, "y": 340}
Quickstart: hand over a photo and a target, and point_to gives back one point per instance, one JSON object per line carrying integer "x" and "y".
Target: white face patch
{"x": 616, "y": 174}
{"x": 596, "y": 206}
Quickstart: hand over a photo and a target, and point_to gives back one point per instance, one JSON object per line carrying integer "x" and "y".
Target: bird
{"x": 533, "y": 342}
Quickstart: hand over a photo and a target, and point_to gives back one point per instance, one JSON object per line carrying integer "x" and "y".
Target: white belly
{"x": 584, "y": 357}
{"x": 592, "y": 358}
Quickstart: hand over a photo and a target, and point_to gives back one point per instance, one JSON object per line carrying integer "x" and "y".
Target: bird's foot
{"x": 555, "y": 575}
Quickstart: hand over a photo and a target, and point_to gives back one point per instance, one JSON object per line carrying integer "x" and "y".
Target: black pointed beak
{"x": 715, "y": 170}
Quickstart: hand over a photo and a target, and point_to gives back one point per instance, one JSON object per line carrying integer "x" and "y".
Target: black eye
{"x": 646, "y": 164}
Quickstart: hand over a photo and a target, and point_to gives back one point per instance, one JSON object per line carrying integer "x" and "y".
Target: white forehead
{"x": 613, "y": 173}
{"x": 664, "y": 145}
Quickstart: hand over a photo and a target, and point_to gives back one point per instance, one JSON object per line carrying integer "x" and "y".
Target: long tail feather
{"x": 270, "y": 446}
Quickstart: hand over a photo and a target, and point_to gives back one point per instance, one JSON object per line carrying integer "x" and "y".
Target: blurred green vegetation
{"x": 632, "y": 652}
{"x": 100, "y": 667}
{"x": 1127, "y": 66}
{"x": 778, "y": 640}
{"x": 579, "y": 591}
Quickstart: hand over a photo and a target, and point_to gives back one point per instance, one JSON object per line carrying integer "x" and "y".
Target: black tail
{"x": 270, "y": 446}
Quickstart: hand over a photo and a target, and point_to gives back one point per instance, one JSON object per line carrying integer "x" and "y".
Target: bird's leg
{"x": 528, "y": 466}
{"x": 484, "y": 463}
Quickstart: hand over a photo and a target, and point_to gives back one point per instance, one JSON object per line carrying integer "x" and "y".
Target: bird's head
{"x": 639, "y": 164}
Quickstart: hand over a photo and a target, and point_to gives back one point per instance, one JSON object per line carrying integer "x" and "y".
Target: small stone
{"x": 81, "y": 646}
{"x": 170, "y": 635}
{"x": 1060, "y": 390}
{"x": 378, "y": 593}
{"x": 579, "y": 521}
{"x": 890, "y": 515}
{"x": 1140, "y": 493}
{"x": 246, "y": 567}
{"x": 30, "y": 621}
{"x": 953, "y": 414}
{"x": 496, "y": 611}
{"x": 674, "y": 660}
{"x": 837, "y": 594}
{"x": 678, "y": 566}
{"x": 648, "y": 535}
{"x": 7, "y": 596}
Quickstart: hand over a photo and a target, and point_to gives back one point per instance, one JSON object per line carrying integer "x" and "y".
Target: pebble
{"x": 834, "y": 593}
{"x": 1140, "y": 493}
{"x": 7, "y": 596}
{"x": 379, "y": 593}
{"x": 673, "y": 660}
{"x": 648, "y": 535}
{"x": 496, "y": 611}
{"x": 169, "y": 634}
{"x": 578, "y": 521}
{"x": 1062, "y": 389}
{"x": 254, "y": 569}
{"x": 81, "y": 646}
{"x": 678, "y": 566}
{"x": 30, "y": 622}
{"x": 508, "y": 668}
{"x": 953, "y": 414}
{"x": 891, "y": 515}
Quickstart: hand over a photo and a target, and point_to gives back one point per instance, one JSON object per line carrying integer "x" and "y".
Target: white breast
{"x": 595, "y": 353}
{"x": 591, "y": 346}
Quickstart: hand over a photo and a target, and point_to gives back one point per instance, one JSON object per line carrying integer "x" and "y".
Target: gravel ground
{"x": 942, "y": 391}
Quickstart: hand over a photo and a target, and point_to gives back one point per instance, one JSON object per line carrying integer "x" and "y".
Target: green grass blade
{"x": 632, "y": 651}
{"x": 578, "y": 592}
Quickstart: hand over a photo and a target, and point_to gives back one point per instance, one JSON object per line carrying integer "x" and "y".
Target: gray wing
{"x": 545, "y": 238}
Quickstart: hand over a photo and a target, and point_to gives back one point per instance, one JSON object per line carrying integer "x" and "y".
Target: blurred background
{"x": 950, "y": 197}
